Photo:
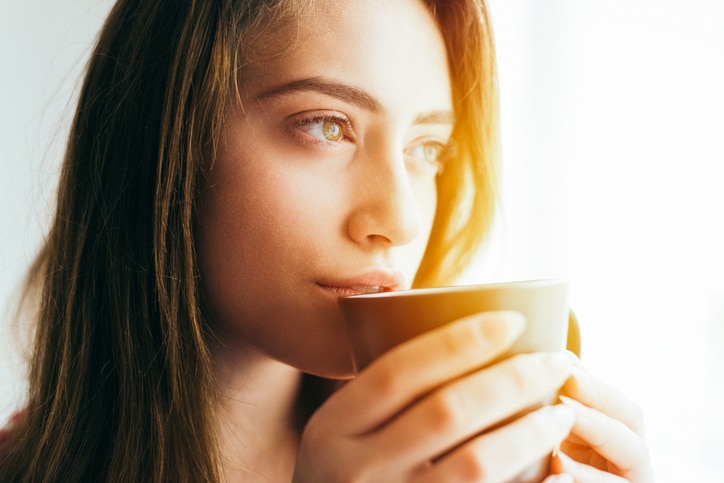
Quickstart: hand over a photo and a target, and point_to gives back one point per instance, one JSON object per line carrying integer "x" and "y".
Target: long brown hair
{"x": 120, "y": 382}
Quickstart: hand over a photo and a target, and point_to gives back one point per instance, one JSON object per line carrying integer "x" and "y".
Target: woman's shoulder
{"x": 7, "y": 433}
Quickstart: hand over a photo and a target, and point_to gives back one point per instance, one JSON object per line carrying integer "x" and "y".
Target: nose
{"x": 385, "y": 210}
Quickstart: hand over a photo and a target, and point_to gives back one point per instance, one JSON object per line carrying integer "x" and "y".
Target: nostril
{"x": 388, "y": 202}
{"x": 384, "y": 223}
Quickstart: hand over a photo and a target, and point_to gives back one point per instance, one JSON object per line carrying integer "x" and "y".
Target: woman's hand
{"x": 418, "y": 411}
{"x": 607, "y": 442}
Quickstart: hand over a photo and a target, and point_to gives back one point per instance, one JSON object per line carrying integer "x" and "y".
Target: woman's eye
{"x": 429, "y": 151}
{"x": 329, "y": 129}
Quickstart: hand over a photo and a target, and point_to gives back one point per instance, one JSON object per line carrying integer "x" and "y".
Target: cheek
{"x": 299, "y": 212}
{"x": 427, "y": 200}
{"x": 426, "y": 197}
{"x": 264, "y": 216}
{"x": 263, "y": 234}
{"x": 250, "y": 222}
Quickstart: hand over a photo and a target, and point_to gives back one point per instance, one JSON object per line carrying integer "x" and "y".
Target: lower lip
{"x": 348, "y": 291}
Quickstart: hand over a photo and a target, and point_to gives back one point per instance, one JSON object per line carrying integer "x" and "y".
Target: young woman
{"x": 234, "y": 167}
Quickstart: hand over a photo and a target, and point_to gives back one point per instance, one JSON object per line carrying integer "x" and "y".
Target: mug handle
{"x": 574, "y": 334}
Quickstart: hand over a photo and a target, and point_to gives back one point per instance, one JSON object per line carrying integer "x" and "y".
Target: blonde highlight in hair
{"x": 467, "y": 188}
{"x": 121, "y": 386}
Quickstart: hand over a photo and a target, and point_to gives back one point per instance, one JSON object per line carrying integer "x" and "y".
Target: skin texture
{"x": 324, "y": 185}
{"x": 291, "y": 221}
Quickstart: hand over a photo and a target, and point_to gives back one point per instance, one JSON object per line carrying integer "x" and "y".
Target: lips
{"x": 370, "y": 282}
{"x": 369, "y": 288}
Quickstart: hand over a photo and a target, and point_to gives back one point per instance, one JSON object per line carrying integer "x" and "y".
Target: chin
{"x": 341, "y": 369}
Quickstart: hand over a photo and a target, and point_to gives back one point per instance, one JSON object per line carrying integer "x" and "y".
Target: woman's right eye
{"x": 326, "y": 128}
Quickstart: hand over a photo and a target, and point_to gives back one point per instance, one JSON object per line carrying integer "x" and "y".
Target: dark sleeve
{"x": 7, "y": 433}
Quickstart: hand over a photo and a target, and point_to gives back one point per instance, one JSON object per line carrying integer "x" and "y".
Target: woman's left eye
{"x": 429, "y": 151}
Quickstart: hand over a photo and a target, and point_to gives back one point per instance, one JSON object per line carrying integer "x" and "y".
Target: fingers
{"x": 582, "y": 473}
{"x": 594, "y": 393}
{"x": 405, "y": 373}
{"x": 612, "y": 440}
{"x": 466, "y": 407}
{"x": 506, "y": 452}
{"x": 609, "y": 431}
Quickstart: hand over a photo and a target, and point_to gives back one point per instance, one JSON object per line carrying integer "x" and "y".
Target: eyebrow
{"x": 435, "y": 117}
{"x": 350, "y": 94}
{"x": 338, "y": 90}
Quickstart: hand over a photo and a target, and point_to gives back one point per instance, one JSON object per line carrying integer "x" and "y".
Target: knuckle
{"x": 388, "y": 379}
{"x": 452, "y": 342}
{"x": 522, "y": 373}
{"x": 530, "y": 374}
{"x": 445, "y": 412}
{"x": 470, "y": 467}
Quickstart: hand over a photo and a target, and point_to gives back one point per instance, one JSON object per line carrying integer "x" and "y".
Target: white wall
{"x": 613, "y": 115}
{"x": 613, "y": 119}
{"x": 43, "y": 44}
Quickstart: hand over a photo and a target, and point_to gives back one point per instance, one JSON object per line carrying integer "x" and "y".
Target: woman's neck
{"x": 258, "y": 416}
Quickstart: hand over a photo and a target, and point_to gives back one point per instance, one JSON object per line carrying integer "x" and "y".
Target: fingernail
{"x": 565, "y": 463}
{"x": 581, "y": 411}
{"x": 570, "y": 401}
{"x": 556, "y": 465}
{"x": 558, "y": 360}
{"x": 564, "y": 414}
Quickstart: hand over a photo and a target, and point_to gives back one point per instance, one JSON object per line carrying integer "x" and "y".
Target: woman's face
{"x": 324, "y": 181}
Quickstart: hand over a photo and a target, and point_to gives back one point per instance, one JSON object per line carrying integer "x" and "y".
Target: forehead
{"x": 391, "y": 48}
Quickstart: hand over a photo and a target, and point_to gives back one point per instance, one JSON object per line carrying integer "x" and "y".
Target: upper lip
{"x": 387, "y": 280}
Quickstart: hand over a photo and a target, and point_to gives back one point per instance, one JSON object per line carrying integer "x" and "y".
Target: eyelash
{"x": 444, "y": 152}
{"x": 297, "y": 125}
